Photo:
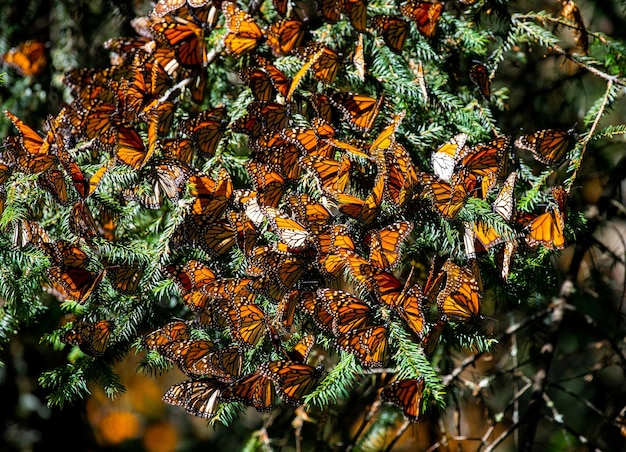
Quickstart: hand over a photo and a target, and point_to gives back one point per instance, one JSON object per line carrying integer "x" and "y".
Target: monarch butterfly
{"x": 128, "y": 50}
{"x": 359, "y": 110}
{"x": 369, "y": 345}
{"x": 163, "y": 7}
{"x": 424, "y": 13}
{"x": 167, "y": 180}
{"x": 290, "y": 232}
{"x": 548, "y": 229}
{"x": 322, "y": 106}
{"x": 479, "y": 75}
{"x": 254, "y": 390}
{"x": 329, "y": 10}
{"x": 53, "y": 181}
{"x": 382, "y": 283}
{"x": 571, "y": 13}
{"x": 3, "y": 198}
{"x": 548, "y": 146}
{"x": 339, "y": 312}
{"x": 305, "y": 139}
{"x": 330, "y": 245}
{"x": 358, "y": 58}
{"x": 7, "y": 164}
{"x": 184, "y": 37}
{"x": 385, "y": 244}
{"x": 190, "y": 276}
{"x": 285, "y": 268}
{"x": 459, "y": 300}
{"x": 229, "y": 288}
{"x": 504, "y": 204}
{"x": 401, "y": 175}
{"x": 410, "y": 306}
{"x": 309, "y": 212}
{"x": 173, "y": 331}
{"x": 73, "y": 283}
{"x": 185, "y": 352}
{"x": 206, "y": 129}
{"x": 65, "y": 254}
{"x": 285, "y": 35}
{"x": 363, "y": 210}
{"x": 83, "y": 186}
{"x": 332, "y": 175}
{"x": 325, "y": 65}
{"x": 311, "y": 61}
{"x": 28, "y": 232}
{"x": 445, "y": 158}
{"x": 266, "y": 81}
{"x": 483, "y": 236}
{"x": 252, "y": 209}
{"x": 386, "y": 139}
{"x": 130, "y": 147}
{"x": 211, "y": 196}
{"x": 125, "y": 278}
{"x": 504, "y": 258}
{"x": 447, "y": 198}
{"x": 91, "y": 337}
{"x": 393, "y": 30}
{"x": 262, "y": 117}
{"x": 200, "y": 303}
{"x": 270, "y": 185}
{"x": 246, "y": 231}
{"x": 26, "y": 163}
{"x": 198, "y": 397}
{"x": 177, "y": 149}
{"x": 93, "y": 86}
{"x": 30, "y": 141}
{"x": 479, "y": 237}
{"x": 246, "y": 320}
{"x": 485, "y": 158}
{"x": 322, "y": 128}
{"x": 274, "y": 150}
{"x": 223, "y": 364}
{"x": 106, "y": 223}
{"x": 354, "y": 147}
{"x": 99, "y": 122}
{"x": 28, "y": 59}
{"x": 292, "y": 380}
{"x": 244, "y": 34}
{"x": 215, "y": 237}
{"x": 407, "y": 395}
{"x": 284, "y": 319}
{"x": 356, "y": 10}
{"x": 278, "y": 79}
{"x": 300, "y": 352}
{"x": 138, "y": 98}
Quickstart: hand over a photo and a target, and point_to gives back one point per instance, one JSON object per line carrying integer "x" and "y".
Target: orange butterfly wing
{"x": 393, "y": 30}
{"x": 479, "y": 75}
{"x": 292, "y": 380}
{"x": 425, "y": 14}
{"x": 198, "y": 397}
{"x": 368, "y": 344}
{"x": 406, "y": 395}
{"x": 244, "y": 34}
{"x": 549, "y": 146}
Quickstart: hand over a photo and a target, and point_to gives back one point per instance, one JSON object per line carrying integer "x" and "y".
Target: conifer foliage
{"x": 280, "y": 198}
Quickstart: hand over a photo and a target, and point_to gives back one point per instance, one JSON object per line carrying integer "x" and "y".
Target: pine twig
{"x": 531, "y": 418}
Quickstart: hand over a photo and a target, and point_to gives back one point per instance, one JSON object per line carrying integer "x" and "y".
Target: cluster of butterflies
{"x": 320, "y": 230}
